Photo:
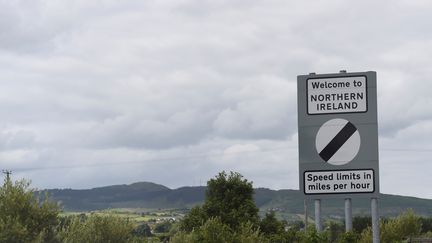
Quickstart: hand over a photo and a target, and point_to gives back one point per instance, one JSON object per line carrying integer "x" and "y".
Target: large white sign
{"x": 339, "y": 181}
{"x": 336, "y": 95}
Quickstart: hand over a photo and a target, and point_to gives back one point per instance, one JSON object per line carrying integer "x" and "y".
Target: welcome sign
{"x": 338, "y": 135}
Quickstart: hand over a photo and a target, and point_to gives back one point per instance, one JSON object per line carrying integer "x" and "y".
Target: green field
{"x": 137, "y": 215}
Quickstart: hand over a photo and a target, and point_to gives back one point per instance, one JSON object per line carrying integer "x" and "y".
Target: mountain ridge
{"x": 286, "y": 202}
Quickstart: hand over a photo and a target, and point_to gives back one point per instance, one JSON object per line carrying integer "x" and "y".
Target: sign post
{"x": 338, "y": 136}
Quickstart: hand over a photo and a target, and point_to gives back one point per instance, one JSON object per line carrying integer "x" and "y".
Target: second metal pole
{"x": 375, "y": 221}
{"x": 348, "y": 215}
{"x": 318, "y": 215}
{"x": 306, "y": 214}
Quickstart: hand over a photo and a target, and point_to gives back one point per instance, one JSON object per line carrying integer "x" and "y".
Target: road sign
{"x": 338, "y": 135}
{"x": 337, "y": 141}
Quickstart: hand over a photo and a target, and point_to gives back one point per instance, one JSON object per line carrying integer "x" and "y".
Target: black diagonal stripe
{"x": 347, "y": 131}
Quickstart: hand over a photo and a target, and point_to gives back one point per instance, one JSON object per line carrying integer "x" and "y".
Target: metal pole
{"x": 348, "y": 215}
{"x": 306, "y": 214}
{"x": 318, "y": 215}
{"x": 375, "y": 221}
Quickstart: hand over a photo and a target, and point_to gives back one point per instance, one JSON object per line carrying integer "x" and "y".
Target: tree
{"x": 270, "y": 225}
{"x": 163, "y": 227}
{"x": 426, "y": 224}
{"x": 396, "y": 229}
{"x": 23, "y": 217}
{"x": 334, "y": 229}
{"x": 230, "y": 197}
{"x": 214, "y": 231}
{"x": 194, "y": 219}
{"x": 310, "y": 235}
{"x": 143, "y": 230}
{"x": 360, "y": 223}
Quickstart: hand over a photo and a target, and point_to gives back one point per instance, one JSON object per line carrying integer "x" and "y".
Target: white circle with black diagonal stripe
{"x": 337, "y": 141}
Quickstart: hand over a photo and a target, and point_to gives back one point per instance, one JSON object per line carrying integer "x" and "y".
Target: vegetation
{"x": 23, "y": 218}
{"x": 228, "y": 214}
{"x": 97, "y": 229}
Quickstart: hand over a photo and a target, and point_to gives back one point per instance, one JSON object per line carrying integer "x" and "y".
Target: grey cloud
{"x": 180, "y": 129}
{"x": 11, "y": 140}
{"x": 107, "y": 82}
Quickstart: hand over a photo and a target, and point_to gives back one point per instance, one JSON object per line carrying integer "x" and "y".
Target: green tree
{"x": 229, "y": 214}
{"x": 334, "y": 229}
{"x": 143, "y": 230}
{"x": 230, "y": 197}
{"x": 360, "y": 223}
{"x": 193, "y": 220}
{"x": 23, "y": 217}
{"x": 163, "y": 227}
{"x": 348, "y": 237}
{"x": 310, "y": 235}
{"x": 247, "y": 233}
{"x": 426, "y": 224}
{"x": 395, "y": 230}
{"x": 212, "y": 231}
{"x": 270, "y": 225}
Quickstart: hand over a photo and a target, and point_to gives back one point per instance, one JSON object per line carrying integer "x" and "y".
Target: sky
{"x": 96, "y": 93}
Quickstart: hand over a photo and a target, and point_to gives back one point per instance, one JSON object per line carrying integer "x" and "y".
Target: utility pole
{"x": 7, "y": 173}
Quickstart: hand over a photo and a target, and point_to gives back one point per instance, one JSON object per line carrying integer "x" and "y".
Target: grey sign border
{"x": 366, "y": 123}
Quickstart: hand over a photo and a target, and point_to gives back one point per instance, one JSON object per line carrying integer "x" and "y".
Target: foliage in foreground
{"x": 97, "y": 229}
{"x": 23, "y": 218}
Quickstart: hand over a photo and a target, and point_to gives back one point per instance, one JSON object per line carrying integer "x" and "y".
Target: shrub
{"x": 23, "y": 218}
{"x": 95, "y": 229}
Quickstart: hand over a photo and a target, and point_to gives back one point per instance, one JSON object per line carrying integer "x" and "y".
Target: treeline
{"x": 228, "y": 214}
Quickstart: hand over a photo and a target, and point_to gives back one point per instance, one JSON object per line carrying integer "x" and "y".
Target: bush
{"x": 312, "y": 236}
{"x": 348, "y": 237}
{"x": 163, "y": 227}
{"x": 95, "y": 229}
{"x": 361, "y": 223}
{"x": 142, "y": 230}
{"x": 426, "y": 224}
{"x": 270, "y": 225}
{"x": 23, "y": 218}
{"x": 247, "y": 234}
{"x": 193, "y": 220}
{"x": 404, "y": 226}
{"x": 214, "y": 231}
{"x": 334, "y": 230}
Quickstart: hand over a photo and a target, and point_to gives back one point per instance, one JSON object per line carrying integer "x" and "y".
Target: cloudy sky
{"x": 96, "y": 93}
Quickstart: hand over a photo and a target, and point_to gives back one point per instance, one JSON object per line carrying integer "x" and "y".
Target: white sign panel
{"x": 339, "y": 181}
{"x": 336, "y": 95}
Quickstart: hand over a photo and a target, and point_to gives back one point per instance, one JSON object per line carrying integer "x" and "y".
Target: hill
{"x": 287, "y": 203}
